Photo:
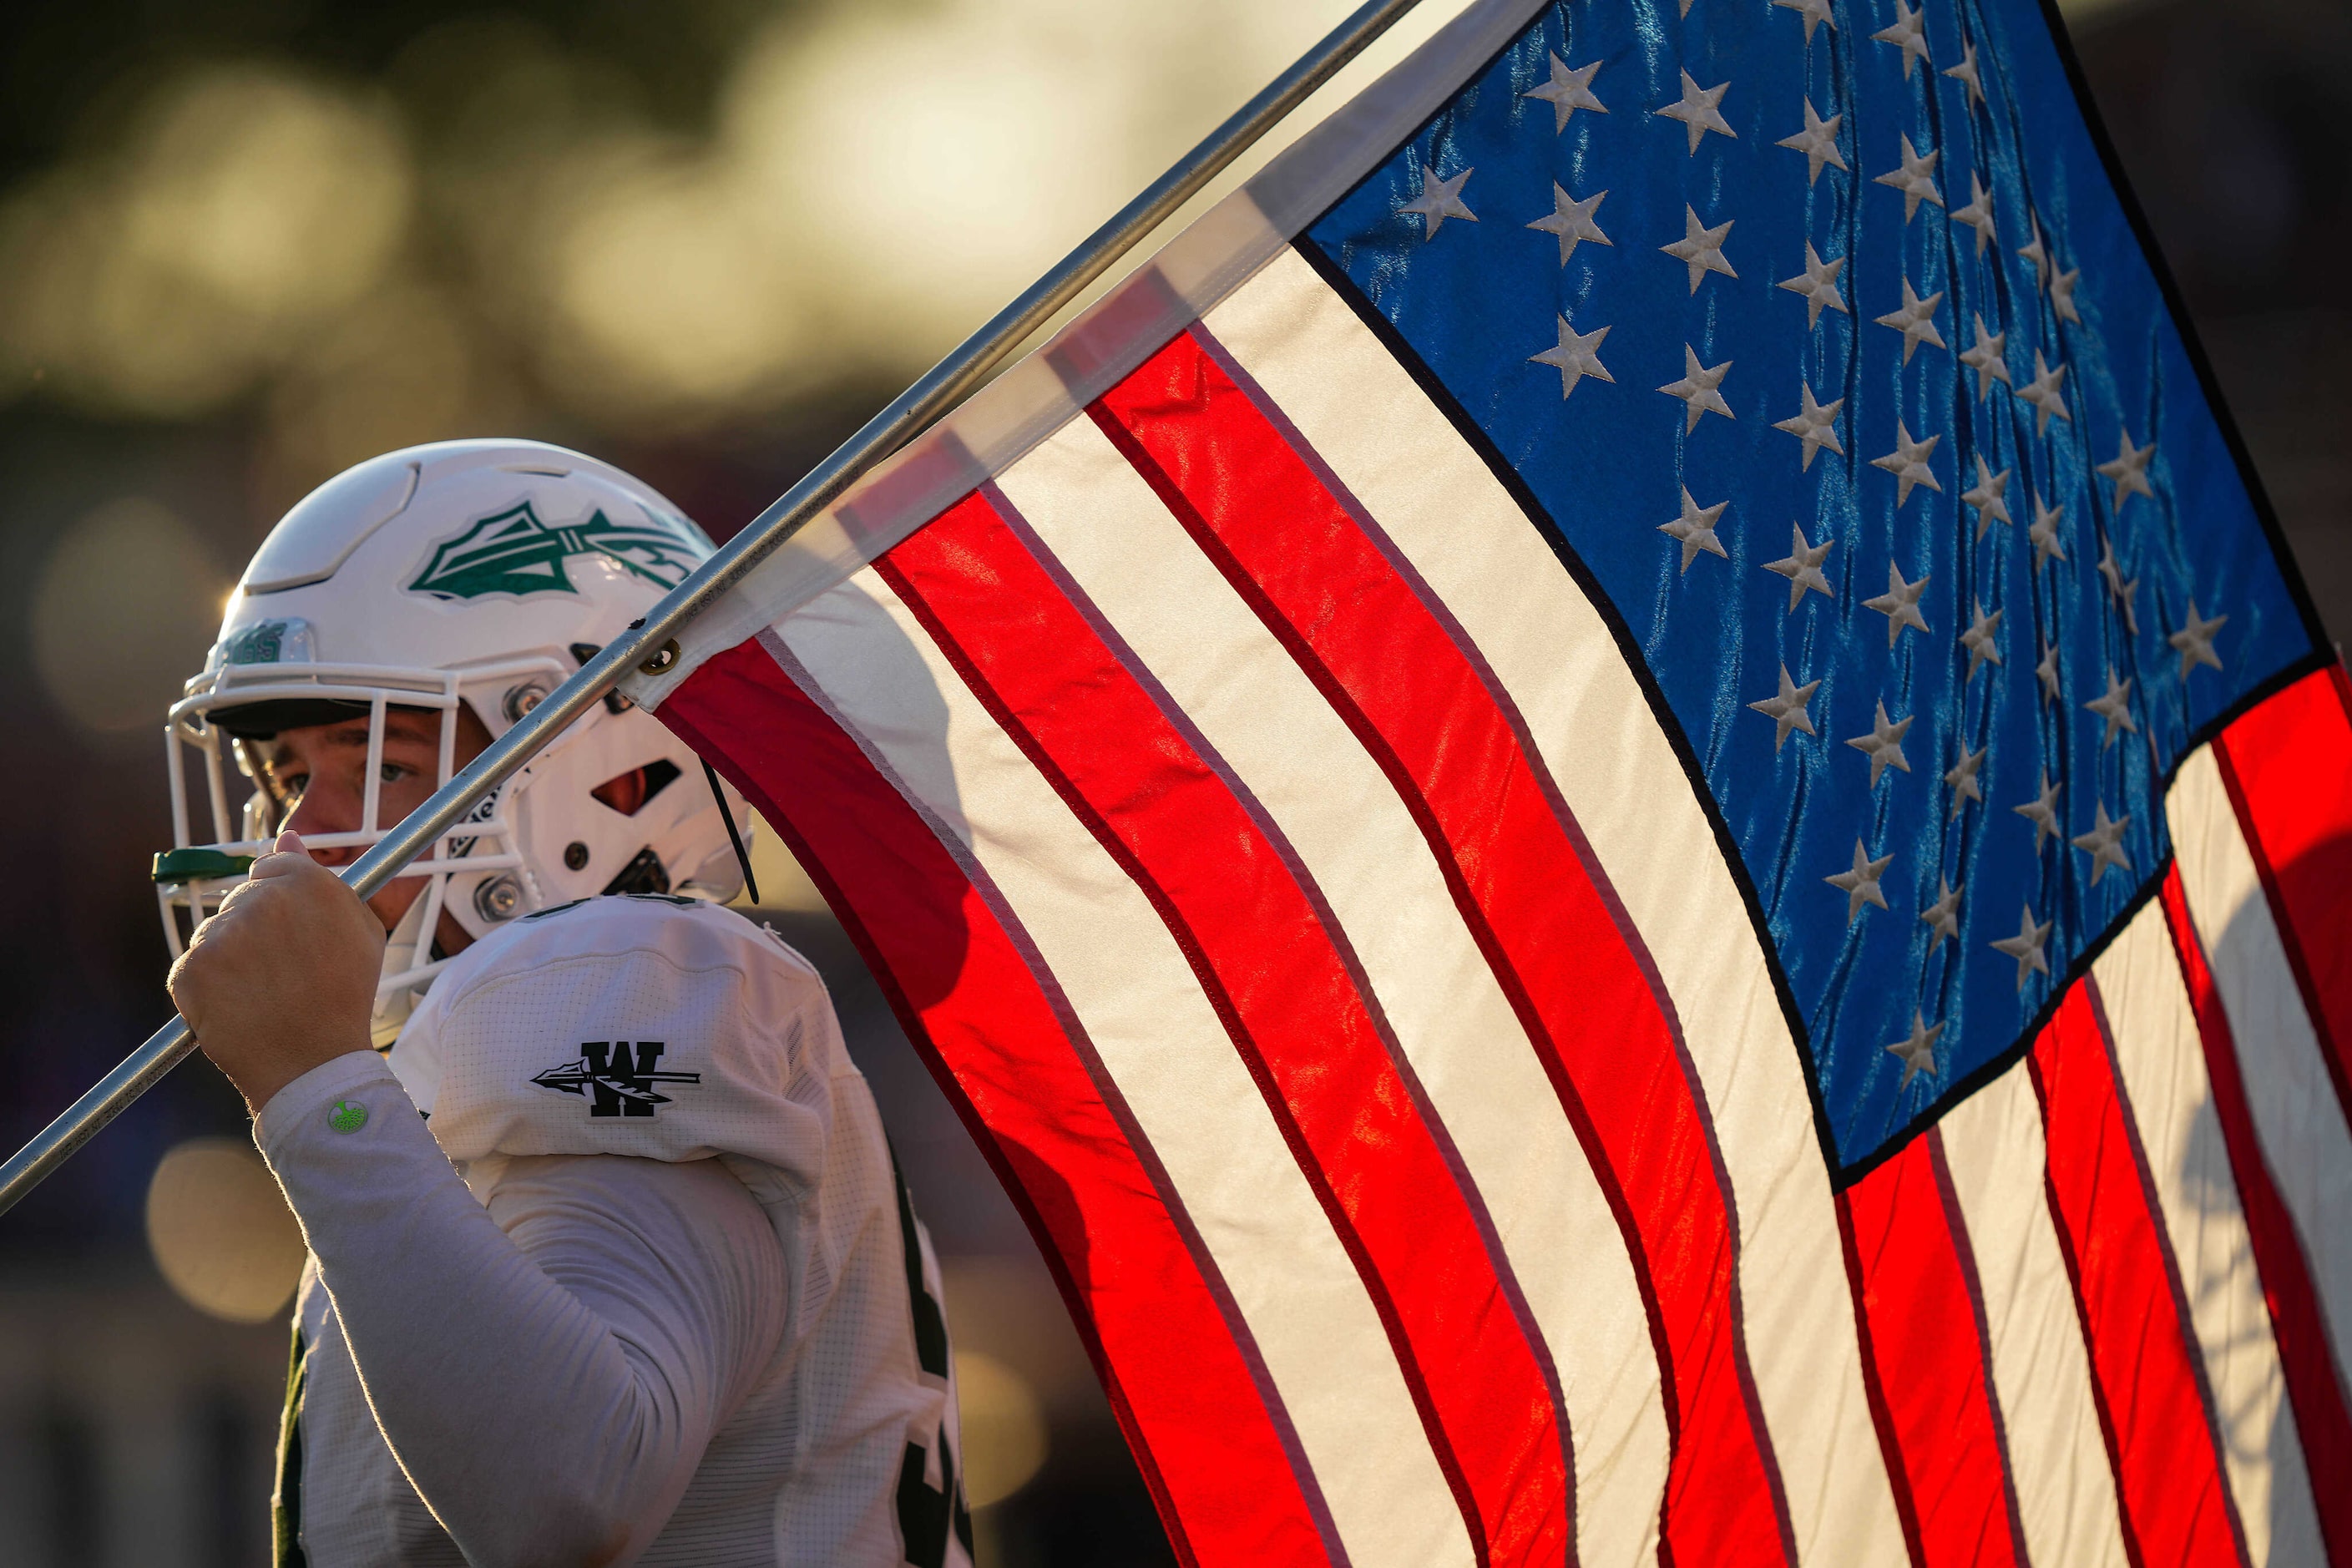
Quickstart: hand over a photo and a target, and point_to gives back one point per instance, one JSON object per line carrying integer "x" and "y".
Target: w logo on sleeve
{"x": 616, "y": 1077}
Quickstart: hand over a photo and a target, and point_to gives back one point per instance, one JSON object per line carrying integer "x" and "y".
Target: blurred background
{"x": 245, "y": 243}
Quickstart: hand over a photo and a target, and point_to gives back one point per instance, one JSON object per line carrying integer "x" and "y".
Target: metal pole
{"x": 944, "y": 385}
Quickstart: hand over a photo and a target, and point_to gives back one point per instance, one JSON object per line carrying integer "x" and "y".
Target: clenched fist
{"x": 283, "y": 977}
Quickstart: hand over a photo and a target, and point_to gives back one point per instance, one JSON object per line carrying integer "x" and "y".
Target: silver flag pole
{"x": 651, "y": 645}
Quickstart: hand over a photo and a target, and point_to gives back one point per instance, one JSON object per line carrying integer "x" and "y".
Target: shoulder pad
{"x": 663, "y": 1028}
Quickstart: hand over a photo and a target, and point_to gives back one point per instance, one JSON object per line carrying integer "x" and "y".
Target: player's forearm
{"x": 530, "y": 1429}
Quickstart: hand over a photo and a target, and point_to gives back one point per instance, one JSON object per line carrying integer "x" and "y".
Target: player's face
{"x": 319, "y": 778}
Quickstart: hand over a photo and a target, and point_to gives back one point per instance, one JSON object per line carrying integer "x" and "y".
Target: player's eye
{"x": 392, "y": 772}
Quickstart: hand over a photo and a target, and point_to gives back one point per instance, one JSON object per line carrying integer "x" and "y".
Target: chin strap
{"x": 742, "y": 857}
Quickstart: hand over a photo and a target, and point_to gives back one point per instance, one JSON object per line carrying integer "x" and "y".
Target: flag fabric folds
{"x": 1614, "y": 811}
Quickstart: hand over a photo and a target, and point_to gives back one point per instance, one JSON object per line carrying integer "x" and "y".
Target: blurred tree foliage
{"x": 66, "y": 64}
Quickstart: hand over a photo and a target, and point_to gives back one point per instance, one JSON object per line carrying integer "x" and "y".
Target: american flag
{"x": 1618, "y": 815}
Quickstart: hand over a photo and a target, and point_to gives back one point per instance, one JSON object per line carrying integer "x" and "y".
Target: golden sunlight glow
{"x": 166, "y": 275}
{"x": 878, "y": 178}
{"x": 1003, "y": 1428}
{"x": 220, "y": 1232}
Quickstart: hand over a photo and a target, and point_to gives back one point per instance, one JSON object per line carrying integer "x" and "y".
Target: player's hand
{"x": 283, "y": 977}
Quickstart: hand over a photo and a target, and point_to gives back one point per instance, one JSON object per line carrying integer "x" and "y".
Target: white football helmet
{"x": 481, "y": 573}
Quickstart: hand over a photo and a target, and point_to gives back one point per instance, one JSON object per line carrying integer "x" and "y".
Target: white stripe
{"x": 1343, "y": 818}
{"x": 1406, "y": 464}
{"x": 2289, "y": 1095}
{"x": 2163, "y": 1062}
{"x": 2040, "y": 1372}
{"x": 1130, "y": 985}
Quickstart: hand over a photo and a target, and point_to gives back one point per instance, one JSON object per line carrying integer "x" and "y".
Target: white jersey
{"x": 640, "y": 1287}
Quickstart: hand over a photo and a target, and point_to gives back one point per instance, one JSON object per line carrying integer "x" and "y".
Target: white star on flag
{"x": 1787, "y": 710}
{"x": 1908, "y": 464}
{"x": 1918, "y": 1053}
{"x": 1986, "y": 498}
{"x": 1818, "y": 284}
{"x": 1961, "y": 777}
{"x": 1695, "y": 529}
{"x": 1943, "y": 916}
{"x": 2129, "y": 471}
{"x": 1571, "y": 222}
{"x": 1982, "y": 639}
{"x": 1899, "y": 604}
{"x": 2114, "y": 705}
{"x": 2044, "y": 532}
{"x": 1908, "y": 34}
{"x": 1915, "y": 320}
{"x": 1698, "y": 391}
{"x": 1814, "y": 13}
{"x": 1439, "y": 200}
{"x": 2043, "y": 393}
{"x": 2194, "y": 641}
{"x": 1814, "y": 424}
{"x": 1987, "y": 360}
{"x": 1576, "y": 356}
{"x": 1568, "y": 91}
{"x": 1860, "y": 885}
{"x": 1701, "y": 247}
{"x": 1916, "y": 179}
{"x": 1966, "y": 71}
{"x": 1802, "y": 568}
{"x": 2026, "y": 947}
{"x": 2037, "y": 253}
{"x": 2061, "y": 296}
{"x": 1883, "y": 744}
{"x": 1977, "y": 213}
{"x": 2042, "y": 811}
{"x": 1699, "y": 112}
{"x": 1817, "y": 141}
{"x": 2105, "y": 843}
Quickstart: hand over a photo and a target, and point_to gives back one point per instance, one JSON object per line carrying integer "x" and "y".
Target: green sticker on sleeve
{"x": 347, "y": 1115}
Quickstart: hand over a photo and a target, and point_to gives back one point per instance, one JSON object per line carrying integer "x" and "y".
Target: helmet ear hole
{"x": 629, "y": 793}
{"x": 575, "y": 856}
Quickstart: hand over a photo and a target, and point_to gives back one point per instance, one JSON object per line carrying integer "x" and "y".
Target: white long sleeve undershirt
{"x": 548, "y": 1364}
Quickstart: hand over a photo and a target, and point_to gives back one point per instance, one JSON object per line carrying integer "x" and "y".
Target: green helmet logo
{"x": 516, "y": 555}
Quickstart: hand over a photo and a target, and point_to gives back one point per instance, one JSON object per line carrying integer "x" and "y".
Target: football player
{"x": 608, "y": 1258}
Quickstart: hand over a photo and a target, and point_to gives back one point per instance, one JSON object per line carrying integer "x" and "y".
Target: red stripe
{"x": 1925, "y": 1349}
{"x": 1524, "y": 884}
{"x": 1285, "y": 996}
{"x": 1181, "y": 1387}
{"x": 2311, "y": 1384}
{"x": 2146, "y": 1372}
{"x": 2287, "y": 766}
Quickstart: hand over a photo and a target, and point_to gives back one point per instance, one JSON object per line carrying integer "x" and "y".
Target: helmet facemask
{"x": 476, "y": 868}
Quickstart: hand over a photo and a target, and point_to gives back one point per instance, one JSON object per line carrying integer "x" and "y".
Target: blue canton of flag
{"x": 1858, "y": 404}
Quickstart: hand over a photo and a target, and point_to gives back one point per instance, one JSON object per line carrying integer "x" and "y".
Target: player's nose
{"x": 322, "y": 811}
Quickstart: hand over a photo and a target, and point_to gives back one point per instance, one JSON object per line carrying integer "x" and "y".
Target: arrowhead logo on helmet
{"x": 514, "y": 553}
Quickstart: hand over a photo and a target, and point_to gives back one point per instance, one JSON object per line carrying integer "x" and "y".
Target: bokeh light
{"x": 1003, "y": 1428}
{"x": 871, "y": 182}
{"x": 123, "y": 610}
{"x": 220, "y": 1232}
{"x": 171, "y": 265}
